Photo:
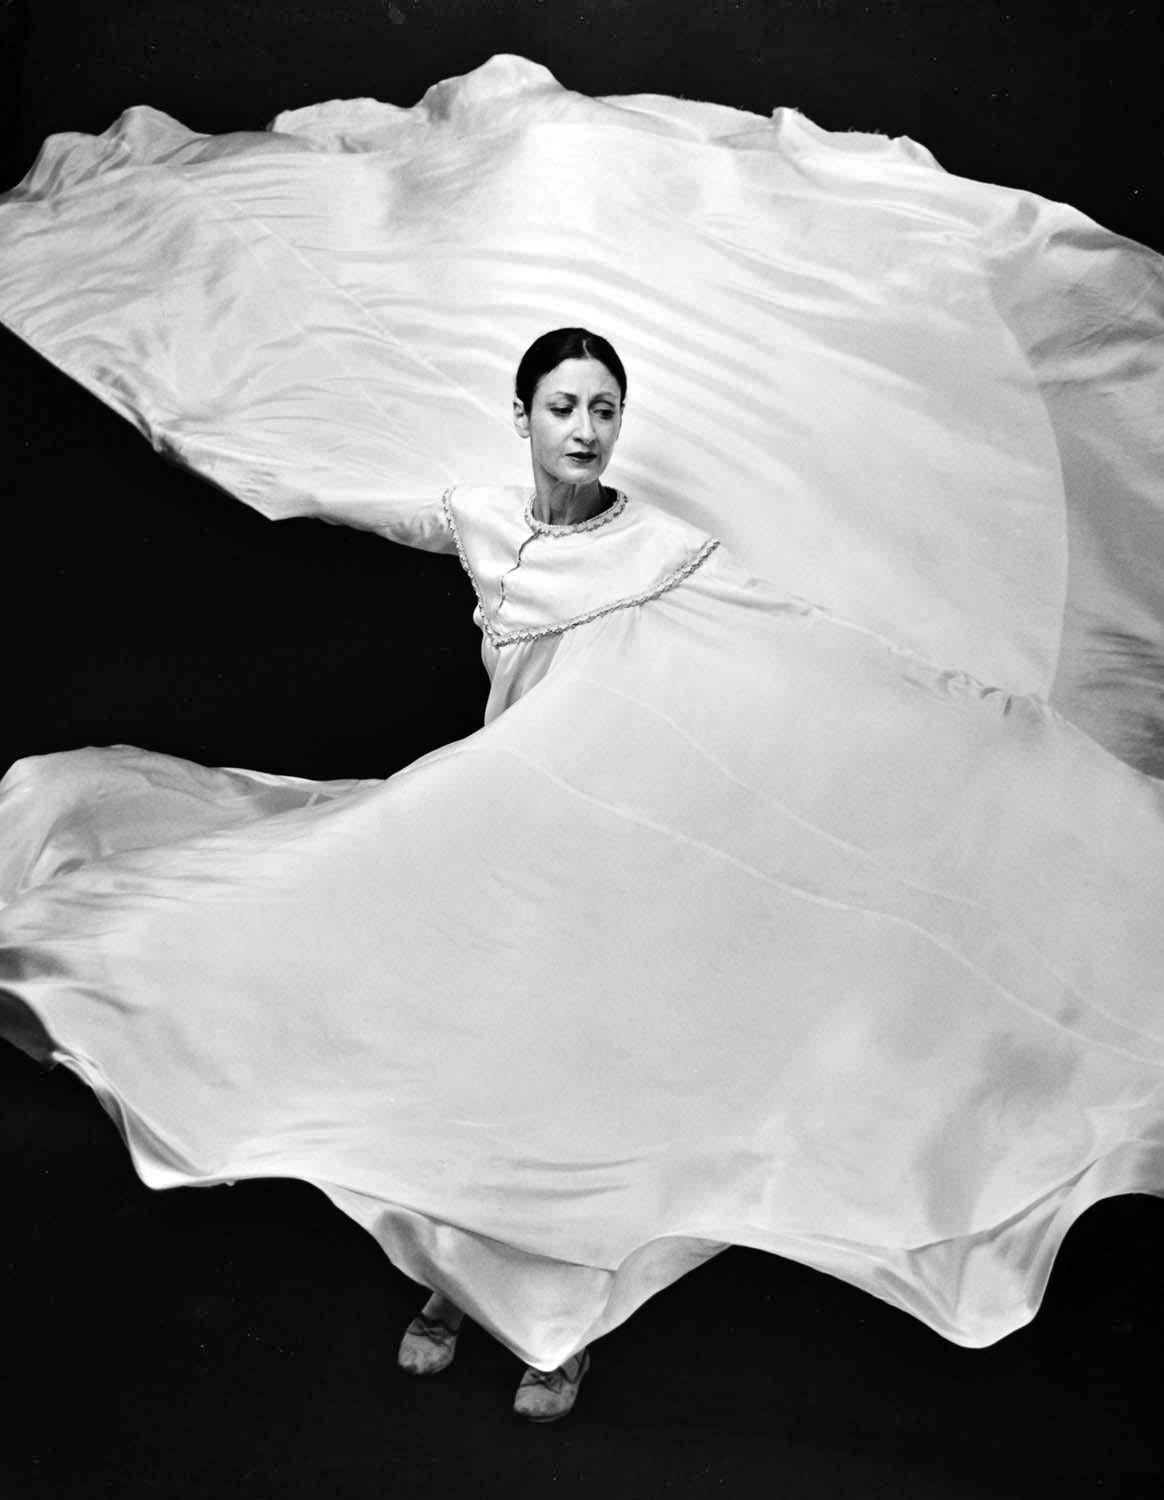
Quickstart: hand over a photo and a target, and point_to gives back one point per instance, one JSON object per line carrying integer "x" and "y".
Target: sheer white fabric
{"x": 813, "y": 926}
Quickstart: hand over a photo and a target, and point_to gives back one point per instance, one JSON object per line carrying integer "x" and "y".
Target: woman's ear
{"x": 520, "y": 418}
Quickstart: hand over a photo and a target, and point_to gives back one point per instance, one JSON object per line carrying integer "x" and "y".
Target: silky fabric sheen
{"x": 928, "y": 404}
{"x": 780, "y": 903}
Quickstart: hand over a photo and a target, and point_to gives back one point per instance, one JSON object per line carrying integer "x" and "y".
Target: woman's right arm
{"x": 411, "y": 523}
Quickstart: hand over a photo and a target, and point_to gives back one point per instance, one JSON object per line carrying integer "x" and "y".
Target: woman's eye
{"x": 560, "y": 411}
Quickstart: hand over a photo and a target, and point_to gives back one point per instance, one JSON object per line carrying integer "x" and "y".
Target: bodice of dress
{"x": 535, "y": 580}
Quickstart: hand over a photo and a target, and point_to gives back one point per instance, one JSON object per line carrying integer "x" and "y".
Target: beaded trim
{"x": 498, "y": 640}
{"x": 547, "y": 528}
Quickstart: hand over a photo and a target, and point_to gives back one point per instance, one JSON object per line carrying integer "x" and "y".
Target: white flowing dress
{"x": 800, "y": 892}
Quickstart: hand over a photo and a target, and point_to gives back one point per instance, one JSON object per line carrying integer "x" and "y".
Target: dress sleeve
{"x": 185, "y": 281}
{"x": 421, "y": 523}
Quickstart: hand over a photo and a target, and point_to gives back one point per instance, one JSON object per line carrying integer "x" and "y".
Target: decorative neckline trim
{"x": 499, "y": 638}
{"x": 547, "y": 528}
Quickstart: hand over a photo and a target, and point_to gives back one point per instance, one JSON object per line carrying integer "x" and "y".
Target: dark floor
{"x": 240, "y": 1342}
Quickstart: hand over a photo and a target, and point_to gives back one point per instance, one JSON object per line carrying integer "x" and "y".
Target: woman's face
{"x": 573, "y": 422}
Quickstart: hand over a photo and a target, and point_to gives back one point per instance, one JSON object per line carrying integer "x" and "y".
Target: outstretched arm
{"x": 413, "y": 523}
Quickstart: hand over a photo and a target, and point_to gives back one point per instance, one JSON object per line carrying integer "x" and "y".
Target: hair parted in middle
{"x": 548, "y": 351}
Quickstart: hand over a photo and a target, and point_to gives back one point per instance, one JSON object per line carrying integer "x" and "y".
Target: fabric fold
{"x": 807, "y": 896}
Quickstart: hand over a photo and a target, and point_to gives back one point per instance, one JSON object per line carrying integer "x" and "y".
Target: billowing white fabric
{"x": 813, "y": 926}
{"x": 929, "y": 404}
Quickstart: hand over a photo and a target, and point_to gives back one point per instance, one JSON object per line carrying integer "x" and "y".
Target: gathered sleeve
{"x": 420, "y": 523}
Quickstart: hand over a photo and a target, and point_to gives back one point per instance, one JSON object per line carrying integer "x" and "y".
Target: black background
{"x": 242, "y": 1342}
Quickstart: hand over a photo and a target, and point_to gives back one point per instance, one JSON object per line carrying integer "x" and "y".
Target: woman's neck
{"x": 560, "y": 504}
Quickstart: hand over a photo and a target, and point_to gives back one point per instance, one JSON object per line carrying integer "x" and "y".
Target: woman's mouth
{"x": 581, "y": 458}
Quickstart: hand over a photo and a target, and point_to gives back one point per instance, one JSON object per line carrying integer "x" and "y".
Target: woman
{"x": 568, "y": 402}
{"x": 742, "y": 920}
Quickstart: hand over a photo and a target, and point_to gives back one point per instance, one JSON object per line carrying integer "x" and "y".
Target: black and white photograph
{"x": 583, "y": 744}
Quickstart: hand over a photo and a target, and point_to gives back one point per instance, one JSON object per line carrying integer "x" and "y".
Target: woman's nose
{"x": 585, "y": 426}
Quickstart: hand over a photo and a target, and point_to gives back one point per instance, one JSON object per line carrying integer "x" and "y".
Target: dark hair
{"x": 548, "y": 352}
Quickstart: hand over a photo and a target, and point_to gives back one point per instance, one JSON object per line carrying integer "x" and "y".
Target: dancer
{"x": 568, "y": 401}
{"x": 815, "y": 924}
